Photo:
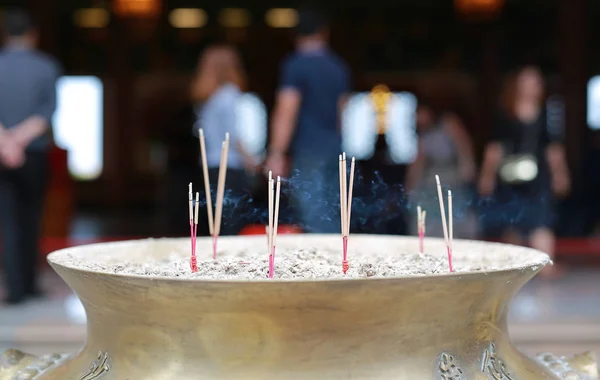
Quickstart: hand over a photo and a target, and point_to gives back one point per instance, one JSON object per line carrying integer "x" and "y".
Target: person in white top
{"x": 216, "y": 91}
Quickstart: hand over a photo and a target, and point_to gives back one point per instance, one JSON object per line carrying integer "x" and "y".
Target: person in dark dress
{"x": 306, "y": 124}
{"x": 27, "y": 103}
{"x": 524, "y": 167}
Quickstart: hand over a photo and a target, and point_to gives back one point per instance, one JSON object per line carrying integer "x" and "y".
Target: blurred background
{"x": 124, "y": 149}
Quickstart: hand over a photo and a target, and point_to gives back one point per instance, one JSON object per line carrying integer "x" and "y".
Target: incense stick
{"x": 345, "y": 205}
{"x": 342, "y": 213}
{"x": 194, "y": 262}
{"x": 193, "y": 267}
{"x": 274, "y": 233}
{"x": 420, "y": 229}
{"x": 345, "y": 187}
{"x": 444, "y": 226}
{"x": 270, "y": 206}
{"x": 352, "y": 164}
{"x": 209, "y": 210}
{"x": 450, "y": 232}
{"x": 220, "y": 192}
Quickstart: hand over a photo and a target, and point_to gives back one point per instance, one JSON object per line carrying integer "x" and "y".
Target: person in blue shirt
{"x": 27, "y": 103}
{"x": 305, "y": 132}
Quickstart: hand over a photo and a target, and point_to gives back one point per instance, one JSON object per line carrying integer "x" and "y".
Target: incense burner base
{"x": 16, "y": 365}
{"x": 438, "y": 327}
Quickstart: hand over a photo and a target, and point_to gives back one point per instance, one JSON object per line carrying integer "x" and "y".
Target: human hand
{"x": 251, "y": 164}
{"x": 12, "y": 154}
{"x": 277, "y": 163}
{"x": 486, "y": 185}
{"x": 561, "y": 184}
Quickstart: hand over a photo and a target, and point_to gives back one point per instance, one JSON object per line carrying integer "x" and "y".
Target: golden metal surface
{"x": 381, "y": 96}
{"x": 438, "y": 327}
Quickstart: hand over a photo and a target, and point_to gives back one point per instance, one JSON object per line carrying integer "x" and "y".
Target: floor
{"x": 561, "y": 316}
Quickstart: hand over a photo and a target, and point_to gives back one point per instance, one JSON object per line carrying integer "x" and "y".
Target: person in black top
{"x": 524, "y": 165}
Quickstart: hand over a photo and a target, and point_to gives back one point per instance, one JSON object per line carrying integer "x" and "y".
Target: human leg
{"x": 9, "y": 234}
{"x": 543, "y": 239}
{"x": 33, "y": 178}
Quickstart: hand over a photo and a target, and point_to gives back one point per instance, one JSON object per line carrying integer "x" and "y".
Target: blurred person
{"x": 306, "y": 123}
{"x": 522, "y": 205}
{"x": 27, "y": 103}
{"x": 216, "y": 92}
{"x": 445, "y": 149}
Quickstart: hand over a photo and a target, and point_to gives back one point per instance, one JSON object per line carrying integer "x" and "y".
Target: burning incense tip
{"x": 190, "y": 190}
{"x": 201, "y": 132}
{"x": 437, "y": 180}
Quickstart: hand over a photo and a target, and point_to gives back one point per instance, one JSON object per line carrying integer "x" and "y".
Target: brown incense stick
{"x": 420, "y": 229}
{"x": 352, "y": 165}
{"x": 274, "y": 231}
{"x": 209, "y": 209}
{"x": 221, "y": 184}
{"x": 444, "y": 225}
{"x": 220, "y": 192}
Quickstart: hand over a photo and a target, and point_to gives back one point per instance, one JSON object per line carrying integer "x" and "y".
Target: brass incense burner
{"x": 442, "y": 327}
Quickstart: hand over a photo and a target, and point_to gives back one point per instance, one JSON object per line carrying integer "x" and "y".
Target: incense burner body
{"x": 446, "y": 327}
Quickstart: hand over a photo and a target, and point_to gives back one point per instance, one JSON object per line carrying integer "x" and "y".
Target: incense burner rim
{"x": 541, "y": 261}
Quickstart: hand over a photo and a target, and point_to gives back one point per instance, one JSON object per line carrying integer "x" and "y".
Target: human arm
{"x": 342, "y": 103}
{"x": 492, "y": 157}
{"x": 559, "y": 170}
{"x": 555, "y": 151}
{"x": 12, "y": 155}
{"x": 39, "y": 122}
{"x": 283, "y": 125}
{"x": 284, "y": 120}
{"x": 464, "y": 146}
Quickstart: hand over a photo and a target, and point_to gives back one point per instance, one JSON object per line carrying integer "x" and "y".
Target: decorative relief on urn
{"x": 449, "y": 368}
{"x": 98, "y": 368}
{"x": 17, "y": 365}
{"x": 578, "y": 367}
{"x": 494, "y": 366}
